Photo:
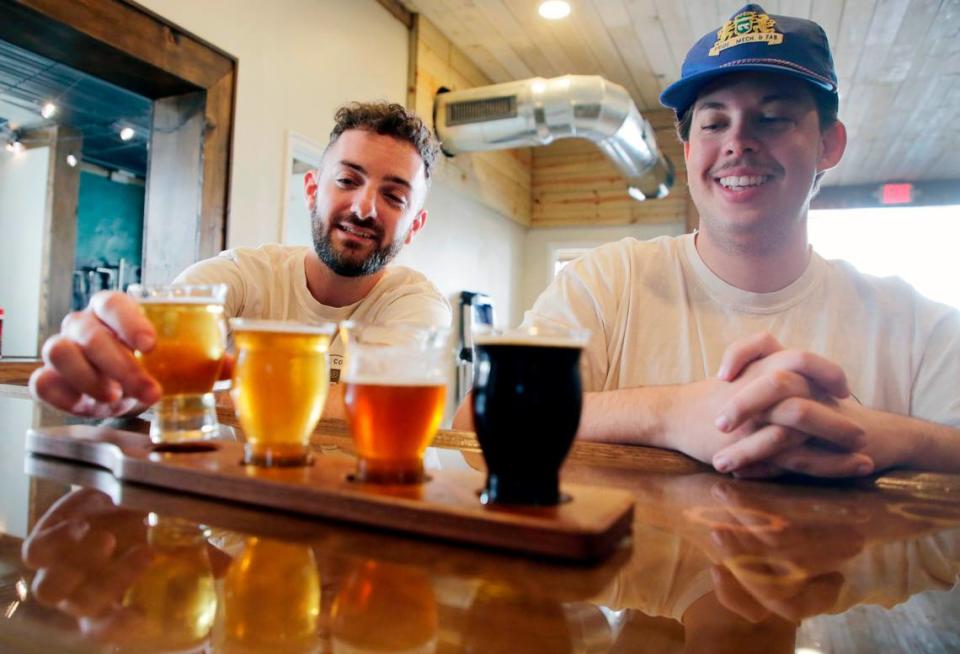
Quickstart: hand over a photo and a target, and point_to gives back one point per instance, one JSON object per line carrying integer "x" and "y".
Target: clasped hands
{"x": 772, "y": 411}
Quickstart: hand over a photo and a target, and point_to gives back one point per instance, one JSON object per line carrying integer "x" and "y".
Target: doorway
{"x": 187, "y": 86}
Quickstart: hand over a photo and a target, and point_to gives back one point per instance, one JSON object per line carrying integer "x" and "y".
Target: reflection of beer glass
{"x": 175, "y": 595}
{"x": 526, "y": 408}
{"x": 186, "y": 359}
{"x": 383, "y": 607}
{"x": 394, "y": 394}
{"x": 279, "y": 386}
{"x": 271, "y": 599}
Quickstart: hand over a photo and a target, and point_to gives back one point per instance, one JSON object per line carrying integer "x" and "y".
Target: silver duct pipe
{"x": 536, "y": 111}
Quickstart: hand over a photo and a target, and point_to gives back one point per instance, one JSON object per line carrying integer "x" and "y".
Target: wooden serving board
{"x": 588, "y": 527}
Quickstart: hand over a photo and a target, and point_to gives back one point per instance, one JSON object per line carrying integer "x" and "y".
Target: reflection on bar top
{"x": 710, "y": 558}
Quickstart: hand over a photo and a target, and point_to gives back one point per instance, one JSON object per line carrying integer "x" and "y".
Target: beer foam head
{"x": 178, "y": 293}
{"x": 178, "y": 300}
{"x": 533, "y": 336}
{"x": 396, "y": 354}
{"x": 281, "y": 326}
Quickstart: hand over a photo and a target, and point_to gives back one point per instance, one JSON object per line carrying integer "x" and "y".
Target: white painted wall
{"x": 298, "y": 61}
{"x": 16, "y": 417}
{"x": 540, "y": 244}
{"x": 23, "y": 195}
{"x": 466, "y": 246}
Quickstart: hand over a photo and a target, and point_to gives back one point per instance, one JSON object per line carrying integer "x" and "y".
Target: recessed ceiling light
{"x": 554, "y": 9}
{"x": 127, "y": 133}
{"x": 48, "y": 110}
{"x": 72, "y": 161}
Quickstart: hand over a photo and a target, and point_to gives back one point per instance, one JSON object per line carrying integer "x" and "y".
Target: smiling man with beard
{"x": 366, "y": 202}
{"x": 738, "y": 345}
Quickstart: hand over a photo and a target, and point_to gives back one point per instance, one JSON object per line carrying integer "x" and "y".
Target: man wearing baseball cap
{"x": 738, "y": 344}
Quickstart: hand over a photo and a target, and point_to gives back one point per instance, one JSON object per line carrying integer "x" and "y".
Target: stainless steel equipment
{"x": 536, "y": 111}
{"x": 473, "y": 309}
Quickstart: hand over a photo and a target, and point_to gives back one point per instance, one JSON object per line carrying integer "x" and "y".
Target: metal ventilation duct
{"x": 537, "y": 111}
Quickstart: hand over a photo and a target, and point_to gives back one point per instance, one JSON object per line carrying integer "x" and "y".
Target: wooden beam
{"x": 398, "y": 11}
{"x": 173, "y": 201}
{"x": 60, "y": 235}
{"x": 134, "y": 32}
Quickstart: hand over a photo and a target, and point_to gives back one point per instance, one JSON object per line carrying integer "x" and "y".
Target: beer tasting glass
{"x": 186, "y": 359}
{"x": 271, "y": 600}
{"x": 394, "y": 394}
{"x": 526, "y": 407}
{"x": 280, "y": 383}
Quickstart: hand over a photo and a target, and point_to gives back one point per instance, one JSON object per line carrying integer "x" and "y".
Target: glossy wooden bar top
{"x": 714, "y": 564}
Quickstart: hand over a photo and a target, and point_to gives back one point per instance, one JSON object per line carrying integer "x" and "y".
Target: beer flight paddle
{"x": 526, "y": 402}
{"x": 588, "y": 527}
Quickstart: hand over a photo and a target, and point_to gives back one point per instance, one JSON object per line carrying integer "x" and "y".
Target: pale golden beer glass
{"x": 271, "y": 600}
{"x": 280, "y": 383}
{"x": 186, "y": 360}
{"x": 394, "y": 382}
{"x": 174, "y": 597}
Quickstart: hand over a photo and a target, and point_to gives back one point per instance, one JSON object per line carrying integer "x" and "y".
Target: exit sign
{"x": 896, "y": 194}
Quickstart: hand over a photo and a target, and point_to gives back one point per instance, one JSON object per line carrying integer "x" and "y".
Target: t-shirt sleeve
{"x": 934, "y": 396}
{"x": 219, "y": 270}
{"x": 578, "y": 299}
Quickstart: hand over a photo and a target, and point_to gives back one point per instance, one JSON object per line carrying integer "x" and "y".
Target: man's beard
{"x": 339, "y": 261}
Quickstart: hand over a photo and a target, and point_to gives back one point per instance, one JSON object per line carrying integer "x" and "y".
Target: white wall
{"x": 23, "y": 194}
{"x": 16, "y": 417}
{"x": 298, "y": 61}
{"x": 466, "y": 246}
{"x": 540, "y": 245}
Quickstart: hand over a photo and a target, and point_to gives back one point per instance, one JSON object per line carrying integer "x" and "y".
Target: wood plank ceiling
{"x": 898, "y": 62}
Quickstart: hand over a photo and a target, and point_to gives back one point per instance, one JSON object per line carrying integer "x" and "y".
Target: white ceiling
{"x": 898, "y": 62}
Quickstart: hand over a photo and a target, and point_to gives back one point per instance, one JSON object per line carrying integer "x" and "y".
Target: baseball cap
{"x": 752, "y": 40}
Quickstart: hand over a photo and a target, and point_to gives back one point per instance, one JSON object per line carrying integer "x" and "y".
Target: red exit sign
{"x": 896, "y": 194}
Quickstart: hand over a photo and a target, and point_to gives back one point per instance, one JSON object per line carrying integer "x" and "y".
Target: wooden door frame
{"x": 130, "y": 46}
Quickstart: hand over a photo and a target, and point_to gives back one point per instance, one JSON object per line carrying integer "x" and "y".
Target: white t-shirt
{"x": 658, "y": 315}
{"x": 270, "y": 282}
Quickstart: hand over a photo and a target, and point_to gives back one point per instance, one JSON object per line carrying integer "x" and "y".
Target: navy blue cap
{"x": 753, "y": 40}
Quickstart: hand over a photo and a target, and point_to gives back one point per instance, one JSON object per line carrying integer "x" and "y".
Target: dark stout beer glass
{"x": 526, "y": 408}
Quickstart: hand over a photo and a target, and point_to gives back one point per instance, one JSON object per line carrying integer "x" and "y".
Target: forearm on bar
{"x": 635, "y": 416}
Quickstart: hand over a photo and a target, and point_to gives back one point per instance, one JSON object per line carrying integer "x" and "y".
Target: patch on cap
{"x": 746, "y": 27}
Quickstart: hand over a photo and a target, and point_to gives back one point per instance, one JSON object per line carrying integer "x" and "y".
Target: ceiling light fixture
{"x": 48, "y": 110}
{"x": 554, "y": 9}
{"x": 15, "y": 146}
{"x": 72, "y": 161}
{"x": 127, "y": 133}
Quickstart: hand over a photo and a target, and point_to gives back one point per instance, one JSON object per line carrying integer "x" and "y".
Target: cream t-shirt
{"x": 658, "y": 315}
{"x": 270, "y": 282}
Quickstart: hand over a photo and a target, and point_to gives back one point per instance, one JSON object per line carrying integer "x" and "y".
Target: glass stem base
{"x": 271, "y": 455}
{"x": 179, "y": 418}
{"x": 393, "y": 471}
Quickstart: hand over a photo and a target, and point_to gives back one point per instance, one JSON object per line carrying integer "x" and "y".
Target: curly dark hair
{"x": 390, "y": 119}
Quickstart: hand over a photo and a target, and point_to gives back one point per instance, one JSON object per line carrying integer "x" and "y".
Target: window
{"x": 917, "y": 244}
{"x": 563, "y": 256}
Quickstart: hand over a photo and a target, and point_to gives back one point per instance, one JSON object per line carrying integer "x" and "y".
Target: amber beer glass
{"x": 384, "y": 607}
{"x": 394, "y": 393}
{"x": 186, "y": 360}
{"x": 280, "y": 383}
{"x": 526, "y": 407}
